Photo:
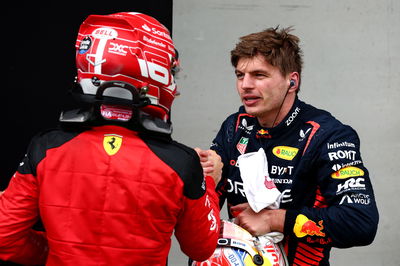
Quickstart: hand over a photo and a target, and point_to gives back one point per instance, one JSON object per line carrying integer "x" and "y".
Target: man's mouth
{"x": 250, "y": 100}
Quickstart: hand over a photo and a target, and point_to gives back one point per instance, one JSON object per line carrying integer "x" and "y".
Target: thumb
{"x": 237, "y": 209}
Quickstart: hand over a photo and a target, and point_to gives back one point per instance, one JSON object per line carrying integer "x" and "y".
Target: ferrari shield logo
{"x": 112, "y": 143}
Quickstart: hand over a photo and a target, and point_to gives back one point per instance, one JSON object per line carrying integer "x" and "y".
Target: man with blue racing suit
{"x": 314, "y": 160}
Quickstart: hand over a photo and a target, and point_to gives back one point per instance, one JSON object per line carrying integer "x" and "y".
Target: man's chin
{"x": 250, "y": 111}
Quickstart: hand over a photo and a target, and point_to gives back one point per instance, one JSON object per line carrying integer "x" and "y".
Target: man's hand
{"x": 211, "y": 163}
{"x": 258, "y": 224}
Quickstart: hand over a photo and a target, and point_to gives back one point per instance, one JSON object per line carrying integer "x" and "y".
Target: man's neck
{"x": 279, "y": 114}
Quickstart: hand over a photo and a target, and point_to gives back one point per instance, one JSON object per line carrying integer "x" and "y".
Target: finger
{"x": 235, "y": 214}
{"x": 240, "y": 207}
{"x": 204, "y": 157}
{"x": 212, "y": 153}
{"x": 207, "y": 171}
{"x": 201, "y": 152}
{"x": 206, "y": 163}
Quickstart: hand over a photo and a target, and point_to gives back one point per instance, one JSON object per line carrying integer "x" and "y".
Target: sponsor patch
{"x": 244, "y": 126}
{"x": 242, "y": 145}
{"x": 263, "y": 134}
{"x": 118, "y": 49}
{"x": 285, "y": 152}
{"x": 281, "y": 170}
{"x": 292, "y": 116}
{"x": 113, "y": 112}
{"x": 351, "y": 184}
{"x": 286, "y": 196}
{"x": 349, "y": 171}
{"x": 105, "y": 33}
{"x": 303, "y": 134}
{"x": 356, "y": 198}
{"x": 340, "y": 144}
{"x": 145, "y": 27}
{"x": 112, "y": 143}
{"x": 304, "y": 226}
{"x": 85, "y": 45}
{"x": 337, "y": 166}
{"x": 342, "y": 154}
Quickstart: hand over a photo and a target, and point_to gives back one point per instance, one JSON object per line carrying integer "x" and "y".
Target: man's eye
{"x": 260, "y": 75}
{"x": 239, "y": 75}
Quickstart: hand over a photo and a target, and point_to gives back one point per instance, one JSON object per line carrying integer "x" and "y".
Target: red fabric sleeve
{"x": 198, "y": 227}
{"x": 18, "y": 213}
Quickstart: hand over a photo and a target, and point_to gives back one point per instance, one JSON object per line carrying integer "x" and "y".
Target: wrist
{"x": 276, "y": 220}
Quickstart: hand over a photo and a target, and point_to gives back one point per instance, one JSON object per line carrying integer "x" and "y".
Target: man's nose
{"x": 247, "y": 82}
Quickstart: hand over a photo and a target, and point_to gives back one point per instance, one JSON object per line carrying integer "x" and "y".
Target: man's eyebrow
{"x": 254, "y": 71}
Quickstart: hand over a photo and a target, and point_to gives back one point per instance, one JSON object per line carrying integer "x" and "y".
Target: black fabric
{"x": 183, "y": 160}
{"x": 40, "y": 144}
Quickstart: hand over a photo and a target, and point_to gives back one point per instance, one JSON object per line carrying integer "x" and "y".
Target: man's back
{"x": 106, "y": 196}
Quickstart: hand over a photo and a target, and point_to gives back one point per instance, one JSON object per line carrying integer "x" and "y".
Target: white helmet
{"x": 238, "y": 247}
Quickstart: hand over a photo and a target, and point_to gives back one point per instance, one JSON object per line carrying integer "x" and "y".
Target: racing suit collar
{"x": 289, "y": 121}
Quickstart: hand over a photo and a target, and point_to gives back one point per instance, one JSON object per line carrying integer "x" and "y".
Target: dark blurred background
{"x": 39, "y": 41}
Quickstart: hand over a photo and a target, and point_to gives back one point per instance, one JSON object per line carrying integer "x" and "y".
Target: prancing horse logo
{"x": 112, "y": 143}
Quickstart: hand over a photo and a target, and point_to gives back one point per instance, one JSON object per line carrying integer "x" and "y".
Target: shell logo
{"x": 285, "y": 152}
{"x": 347, "y": 172}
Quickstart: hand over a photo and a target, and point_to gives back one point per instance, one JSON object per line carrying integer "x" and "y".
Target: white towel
{"x": 260, "y": 189}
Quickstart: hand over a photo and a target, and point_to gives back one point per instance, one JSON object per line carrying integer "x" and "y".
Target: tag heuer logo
{"x": 112, "y": 143}
{"x": 242, "y": 144}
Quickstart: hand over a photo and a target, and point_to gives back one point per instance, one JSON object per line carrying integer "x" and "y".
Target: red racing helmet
{"x": 130, "y": 47}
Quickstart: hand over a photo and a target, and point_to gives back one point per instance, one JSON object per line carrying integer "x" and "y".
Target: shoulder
{"x": 40, "y": 143}
{"x": 183, "y": 160}
{"x": 169, "y": 148}
{"x": 236, "y": 122}
{"x": 55, "y": 137}
{"x": 326, "y": 121}
{"x": 49, "y": 139}
{"x": 328, "y": 129}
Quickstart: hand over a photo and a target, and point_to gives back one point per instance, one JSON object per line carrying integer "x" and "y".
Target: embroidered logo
{"x": 112, "y": 143}
{"x": 347, "y": 172}
{"x": 242, "y": 145}
{"x": 305, "y": 226}
{"x": 263, "y": 134}
{"x": 285, "y": 152}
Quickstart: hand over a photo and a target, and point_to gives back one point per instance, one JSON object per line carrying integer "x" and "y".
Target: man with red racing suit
{"x": 110, "y": 185}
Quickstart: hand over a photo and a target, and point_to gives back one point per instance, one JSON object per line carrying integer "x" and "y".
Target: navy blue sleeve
{"x": 344, "y": 213}
{"x": 221, "y": 145}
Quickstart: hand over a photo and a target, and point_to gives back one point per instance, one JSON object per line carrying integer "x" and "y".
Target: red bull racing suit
{"x": 315, "y": 162}
{"x": 107, "y": 195}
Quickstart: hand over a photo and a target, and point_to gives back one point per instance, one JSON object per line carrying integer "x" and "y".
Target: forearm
{"x": 333, "y": 225}
{"x": 259, "y": 223}
{"x": 18, "y": 213}
{"x": 30, "y": 250}
{"x": 199, "y": 221}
